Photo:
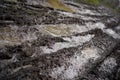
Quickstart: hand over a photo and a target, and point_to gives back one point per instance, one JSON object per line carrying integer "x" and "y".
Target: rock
{"x": 58, "y": 40}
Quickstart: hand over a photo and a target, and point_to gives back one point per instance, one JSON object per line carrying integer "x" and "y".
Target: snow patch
{"x": 74, "y": 41}
{"x": 82, "y": 10}
{"x": 112, "y": 33}
{"x": 78, "y": 16}
{"x": 70, "y": 73}
{"x": 78, "y": 62}
{"x": 118, "y": 27}
{"x": 98, "y": 25}
{"x": 25, "y": 32}
{"x": 73, "y": 29}
{"x": 108, "y": 65}
{"x": 28, "y": 37}
{"x": 57, "y": 71}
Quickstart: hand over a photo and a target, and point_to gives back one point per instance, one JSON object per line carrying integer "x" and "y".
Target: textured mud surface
{"x": 44, "y": 40}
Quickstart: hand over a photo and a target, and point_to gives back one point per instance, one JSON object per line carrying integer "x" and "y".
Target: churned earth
{"x": 58, "y": 40}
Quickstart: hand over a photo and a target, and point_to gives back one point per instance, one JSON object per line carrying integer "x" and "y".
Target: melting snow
{"x": 29, "y": 37}
{"x": 118, "y": 27}
{"x": 77, "y": 15}
{"x": 108, "y": 65}
{"x": 74, "y": 28}
{"x": 74, "y": 41}
{"x": 77, "y": 62}
{"x": 57, "y": 71}
{"x": 82, "y": 10}
{"x": 98, "y": 25}
{"x": 70, "y": 73}
{"x": 112, "y": 33}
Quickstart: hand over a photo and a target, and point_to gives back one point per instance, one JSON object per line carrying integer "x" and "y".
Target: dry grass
{"x": 58, "y": 5}
{"x": 93, "y": 2}
{"x": 57, "y": 30}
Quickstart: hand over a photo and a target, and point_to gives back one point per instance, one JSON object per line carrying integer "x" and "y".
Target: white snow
{"x": 57, "y": 71}
{"x": 74, "y": 41}
{"x": 34, "y": 2}
{"x": 112, "y": 33}
{"x": 77, "y": 62}
{"x": 83, "y": 17}
{"x": 108, "y": 65}
{"x": 62, "y": 73}
{"x": 28, "y": 37}
{"x": 70, "y": 73}
{"x": 118, "y": 27}
{"x": 82, "y": 10}
{"x": 92, "y": 26}
{"x": 23, "y": 35}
